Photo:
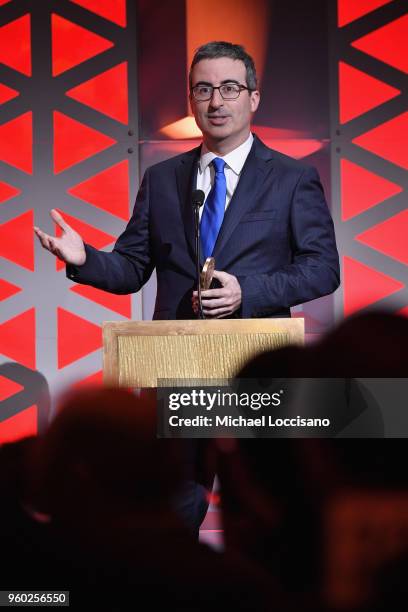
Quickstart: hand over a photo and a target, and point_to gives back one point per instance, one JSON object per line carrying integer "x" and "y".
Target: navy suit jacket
{"x": 277, "y": 238}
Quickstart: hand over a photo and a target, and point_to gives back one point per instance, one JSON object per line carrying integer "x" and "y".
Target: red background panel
{"x": 349, "y": 10}
{"x": 106, "y": 93}
{"x": 108, "y": 190}
{"x": 76, "y": 337}
{"x": 15, "y": 44}
{"x": 89, "y": 53}
{"x": 8, "y": 388}
{"x": 7, "y": 289}
{"x": 118, "y": 303}
{"x": 74, "y": 142}
{"x": 387, "y": 44}
{"x": 372, "y": 214}
{"x": 388, "y": 140}
{"x": 21, "y": 425}
{"x": 7, "y": 191}
{"x": 17, "y": 338}
{"x": 72, "y": 44}
{"x": 19, "y": 231}
{"x": 362, "y": 189}
{"x": 389, "y": 237}
{"x": 371, "y": 92}
{"x": 7, "y": 93}
{"x": 363, "y": 286}
{"x": 16, "y": 142}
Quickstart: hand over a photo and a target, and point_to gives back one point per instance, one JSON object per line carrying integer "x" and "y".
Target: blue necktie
{"x": 214, "y": 208}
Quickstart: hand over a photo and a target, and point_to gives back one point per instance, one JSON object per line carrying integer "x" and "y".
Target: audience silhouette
{"x": 89, "y": 505}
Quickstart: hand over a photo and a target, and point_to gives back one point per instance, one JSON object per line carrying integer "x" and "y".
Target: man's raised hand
{"x": 69, "y": 246}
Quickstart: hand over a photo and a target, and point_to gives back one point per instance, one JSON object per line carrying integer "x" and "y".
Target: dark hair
{"x": 216, "y": 49}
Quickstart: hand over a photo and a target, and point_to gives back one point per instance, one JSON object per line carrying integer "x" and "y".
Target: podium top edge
{"x": 195, "y": 326}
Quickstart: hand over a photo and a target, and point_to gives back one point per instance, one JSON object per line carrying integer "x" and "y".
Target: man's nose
{"x": 216, "y": 98}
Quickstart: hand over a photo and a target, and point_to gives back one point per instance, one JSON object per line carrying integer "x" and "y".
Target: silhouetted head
{"x": 365, "y": 345}
{"x": 101, "y": 448}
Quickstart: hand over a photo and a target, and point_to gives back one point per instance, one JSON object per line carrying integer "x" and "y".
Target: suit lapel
{"x": 253, "y": 175}
{"x": 186, "y": 174}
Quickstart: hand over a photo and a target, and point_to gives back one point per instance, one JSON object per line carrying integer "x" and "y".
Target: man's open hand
{"x": 222, "y": 302}
{"x": 69, "y": 247}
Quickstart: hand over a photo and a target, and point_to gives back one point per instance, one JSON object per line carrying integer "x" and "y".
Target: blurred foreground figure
{"x": 104, "y": 486}
{"x": 21, "y": 530}
{"x": 100, "y": 456}
{"x": 365, "y": 345}
{"x": 325, "y": 517}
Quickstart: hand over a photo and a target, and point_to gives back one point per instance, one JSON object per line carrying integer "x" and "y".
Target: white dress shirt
{"x": 234, "y": 162}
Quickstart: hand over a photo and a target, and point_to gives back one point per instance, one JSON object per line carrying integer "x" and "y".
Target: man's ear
{"x": 254, "y": 100}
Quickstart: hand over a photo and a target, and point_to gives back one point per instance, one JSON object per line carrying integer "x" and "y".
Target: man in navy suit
{"x": 265, "y": 218}
{"x": 275, "y": 247}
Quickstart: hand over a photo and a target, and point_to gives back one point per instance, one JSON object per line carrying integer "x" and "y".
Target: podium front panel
{"x": 138, "y": 353}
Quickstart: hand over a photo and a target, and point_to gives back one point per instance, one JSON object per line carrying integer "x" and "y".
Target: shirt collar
{"x": 234, "y": 159}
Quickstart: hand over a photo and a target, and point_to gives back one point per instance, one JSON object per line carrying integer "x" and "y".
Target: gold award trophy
{"x": 207, "y": 272}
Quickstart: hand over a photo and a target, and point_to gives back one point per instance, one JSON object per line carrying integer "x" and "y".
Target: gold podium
{"x": 138, "y": 353}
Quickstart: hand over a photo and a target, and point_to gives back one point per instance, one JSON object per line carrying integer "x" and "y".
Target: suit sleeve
{"x": 314, "y": 269}
{"x": 129, "y": 266}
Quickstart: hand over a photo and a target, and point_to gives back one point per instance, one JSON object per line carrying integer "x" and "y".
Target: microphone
{"x": 197, "y": 199}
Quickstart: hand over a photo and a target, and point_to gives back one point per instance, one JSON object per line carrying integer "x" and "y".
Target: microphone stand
{"x": 197, "y": 206}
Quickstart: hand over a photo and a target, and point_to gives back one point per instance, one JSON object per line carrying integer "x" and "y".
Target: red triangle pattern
{"x": 371, "y": 92}
{"x": 89, "y": 234}
{"x": 7, "y": 93}
{"x": 76, "y": 337}
{"x": 389, "y": 237}
{"x": 106, "y": 93}
{"x": 72, "y": 44}
{"x": 349, "y": 10}
{"x": 4, "y": 2}
{"x": 8, "y": 388}
{"x": 74, "y": 142}
{"x": 7, "y": 289}
{"x": 7, "y": 191}
{"x": 21, "y": 425}
{"x": 17, "y": 240}
{"x": 108, "y": 190}
{"x": 17, "y": 338}
{"x": 362, "y": 189}
{"x": 388, "y": 140}
{"x": 387, "y": 44}
{"x": 94, "y": 380}
{"x": 15, "y": 44}
{"x": 364, "y": 286}
{"x": 16, "y": 142}
{"x": 114, "y": 10}
{"x": 118, "y": 303}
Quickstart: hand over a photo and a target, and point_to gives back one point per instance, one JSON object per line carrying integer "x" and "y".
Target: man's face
{"x": 223, "y": 121}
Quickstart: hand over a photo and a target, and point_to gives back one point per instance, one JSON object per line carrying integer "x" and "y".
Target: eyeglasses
{"x": 228, "y": 91}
